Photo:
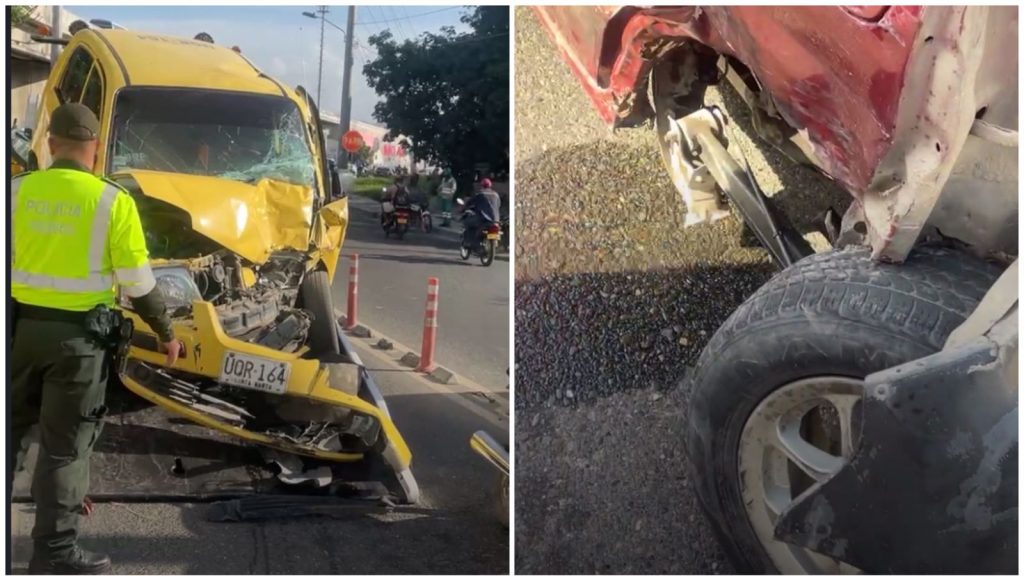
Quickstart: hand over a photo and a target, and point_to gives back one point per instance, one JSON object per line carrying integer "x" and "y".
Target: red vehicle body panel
{"x": 836, "y": 72}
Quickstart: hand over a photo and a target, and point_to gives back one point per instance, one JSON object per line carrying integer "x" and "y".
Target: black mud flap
{"x": 933, "y": 485}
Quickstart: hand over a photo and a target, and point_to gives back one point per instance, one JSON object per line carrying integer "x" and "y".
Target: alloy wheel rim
{"x": 796, "y": 438}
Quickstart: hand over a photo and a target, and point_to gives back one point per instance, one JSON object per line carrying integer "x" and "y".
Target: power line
{"x": 377, "y": 27}
{"x": 417, "y": 15}
{"x": 398, "y": 22}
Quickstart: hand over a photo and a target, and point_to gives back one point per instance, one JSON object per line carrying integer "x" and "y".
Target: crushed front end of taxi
{"x": 252, "y": 365}
{"x": 244, "y": 245}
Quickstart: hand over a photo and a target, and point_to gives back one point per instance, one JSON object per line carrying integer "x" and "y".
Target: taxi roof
{"x": 159, "y": 60}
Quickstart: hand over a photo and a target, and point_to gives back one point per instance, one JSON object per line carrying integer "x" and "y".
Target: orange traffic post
{"x": 429, "y": 328}
{"x": 353, "y": 293}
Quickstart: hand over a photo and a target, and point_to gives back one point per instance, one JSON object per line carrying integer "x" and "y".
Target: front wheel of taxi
{"x": 315, "y": 298}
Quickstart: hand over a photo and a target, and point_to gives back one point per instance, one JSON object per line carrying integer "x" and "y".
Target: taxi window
{"x": 75, "y": 75}
{"x": 93, "y": 95}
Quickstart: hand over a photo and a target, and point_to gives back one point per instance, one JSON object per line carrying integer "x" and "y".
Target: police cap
{"x": 74, "y": 121}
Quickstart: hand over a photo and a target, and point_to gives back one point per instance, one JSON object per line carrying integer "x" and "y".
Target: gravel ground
{"x": 614, "y": 299}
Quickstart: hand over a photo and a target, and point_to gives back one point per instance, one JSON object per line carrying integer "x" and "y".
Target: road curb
{"x": 400, "y": 354}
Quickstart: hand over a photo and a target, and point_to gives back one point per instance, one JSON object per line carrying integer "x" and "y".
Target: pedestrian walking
{"x": 448, "y": 187}
{"x": 75, "y": 237}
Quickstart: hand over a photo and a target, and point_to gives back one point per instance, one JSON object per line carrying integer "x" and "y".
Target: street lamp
{"x": 321, "y": 16}
{"x": 346, "y": 81}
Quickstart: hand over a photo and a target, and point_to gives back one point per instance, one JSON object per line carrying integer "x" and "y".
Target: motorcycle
{"x": 421, "y": 215}
{"x": 484, "y": 245}
{"x": 394, "y": 218}
{"x": 505, "y": 232}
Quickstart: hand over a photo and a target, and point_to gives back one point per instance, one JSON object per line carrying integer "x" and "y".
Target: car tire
{"x": 836, "y": 314}
{"x": 315, "y": 298}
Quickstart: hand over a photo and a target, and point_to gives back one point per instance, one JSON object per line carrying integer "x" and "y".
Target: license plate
{"x": 402, "y": 220}
{"x": 492, "y": 236}
{"x": 255, "y": 373}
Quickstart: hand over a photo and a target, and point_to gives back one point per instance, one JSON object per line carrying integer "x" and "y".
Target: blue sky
{"x": 286, "y": 44}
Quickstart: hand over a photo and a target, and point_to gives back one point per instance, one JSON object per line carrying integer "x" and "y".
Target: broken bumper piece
{"x": 932, "y": 488}
{"x": 327, "y": 409}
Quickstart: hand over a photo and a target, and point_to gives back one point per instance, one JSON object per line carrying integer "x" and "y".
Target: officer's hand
{"x": 173, "y": 350}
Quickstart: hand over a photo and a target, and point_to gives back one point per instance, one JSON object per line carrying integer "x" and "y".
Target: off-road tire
{"x": 836, "y": 313}
{"x": 315, "y": 298}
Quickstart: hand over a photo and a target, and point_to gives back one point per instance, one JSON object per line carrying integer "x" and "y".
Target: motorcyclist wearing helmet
{"x": 486, "y": 207}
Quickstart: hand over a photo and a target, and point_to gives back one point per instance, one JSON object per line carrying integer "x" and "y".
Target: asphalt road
{"x": 454, "y": 530}
{"x": 474, "y": 301}
{"x": 614, "y": 299}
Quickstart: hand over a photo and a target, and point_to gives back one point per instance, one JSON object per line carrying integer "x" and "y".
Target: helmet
{"x": 485, "y": 183}
{"x": 203, "y": 37}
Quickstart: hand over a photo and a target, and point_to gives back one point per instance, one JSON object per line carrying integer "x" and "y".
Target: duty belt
{"x": 113, "y": 330}
{"x": 109, "y": 327}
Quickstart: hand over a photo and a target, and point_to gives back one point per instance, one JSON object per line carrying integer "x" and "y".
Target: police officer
{"x": 74, "y": 238}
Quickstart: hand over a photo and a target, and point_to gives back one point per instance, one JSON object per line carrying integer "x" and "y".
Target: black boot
{"x": 78, "y": 562}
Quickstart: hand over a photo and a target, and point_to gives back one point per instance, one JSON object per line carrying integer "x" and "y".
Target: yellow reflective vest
{"x": 74, "y": 237}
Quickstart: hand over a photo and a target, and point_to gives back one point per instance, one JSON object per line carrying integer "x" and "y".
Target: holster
{"x": 113, "y": 331}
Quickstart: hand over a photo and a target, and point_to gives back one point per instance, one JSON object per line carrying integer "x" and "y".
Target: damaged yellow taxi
{"x": 244, "y": 219}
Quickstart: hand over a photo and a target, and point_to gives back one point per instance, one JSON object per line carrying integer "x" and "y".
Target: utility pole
{"x": 322, "y": 11}
{"x": 58, "y": 32}
{"x": 346, "y": 81}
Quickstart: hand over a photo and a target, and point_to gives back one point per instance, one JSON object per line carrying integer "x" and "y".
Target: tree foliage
{"x": 447, "y": 91}
{"x": 21, "y": 15}
{"x": 365, "y": 155}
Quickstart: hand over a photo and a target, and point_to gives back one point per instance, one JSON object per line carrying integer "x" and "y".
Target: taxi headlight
{"x": 176, "y": 286}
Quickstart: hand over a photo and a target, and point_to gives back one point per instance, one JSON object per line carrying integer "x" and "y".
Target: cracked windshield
{"x": 206, "y": 133}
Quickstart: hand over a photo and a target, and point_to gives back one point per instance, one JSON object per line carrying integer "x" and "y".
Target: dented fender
{"x": 331, "y": 235}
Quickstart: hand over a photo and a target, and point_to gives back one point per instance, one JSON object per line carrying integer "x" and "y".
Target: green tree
{"x": 21, "y": 15}
{"x": 365, "y": 155}
{"x": 447, "y": 91}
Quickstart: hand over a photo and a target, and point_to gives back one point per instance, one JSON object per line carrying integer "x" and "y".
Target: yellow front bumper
{"x": 205, "y": 345}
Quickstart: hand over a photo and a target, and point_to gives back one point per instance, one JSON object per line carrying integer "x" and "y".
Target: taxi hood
{"x": 252, "y": 220}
